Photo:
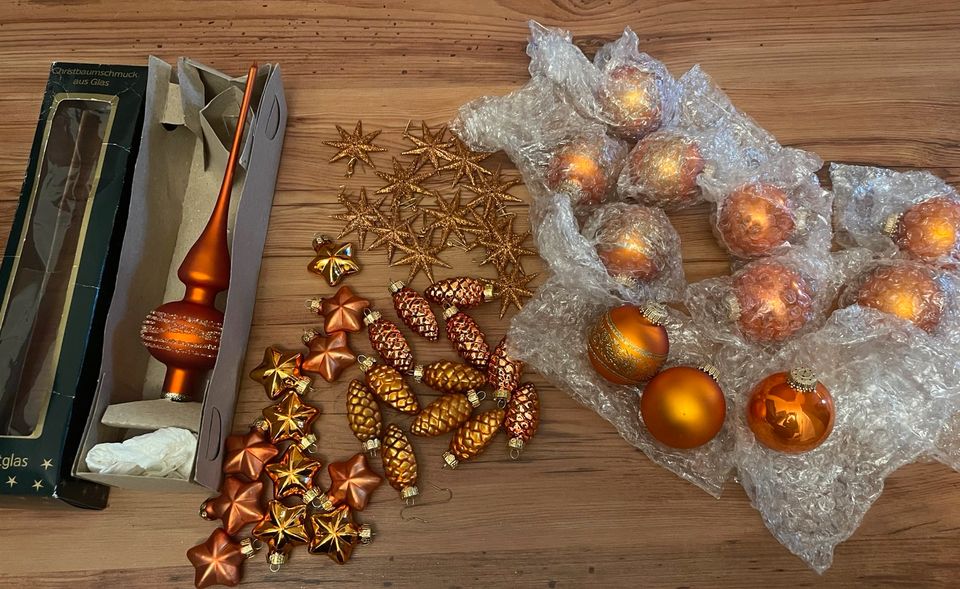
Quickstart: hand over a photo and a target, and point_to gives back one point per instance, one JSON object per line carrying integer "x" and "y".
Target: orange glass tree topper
{"x": 185, "y": 334}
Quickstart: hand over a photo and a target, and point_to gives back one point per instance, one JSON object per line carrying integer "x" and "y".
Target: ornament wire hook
{"x": 408, "y": 507}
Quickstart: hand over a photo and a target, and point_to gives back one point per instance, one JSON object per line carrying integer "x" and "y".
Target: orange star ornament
{"x": 352, "y": 482}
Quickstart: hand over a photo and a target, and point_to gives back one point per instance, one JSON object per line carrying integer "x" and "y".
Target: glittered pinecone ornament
{"x": 473, "y": 437}
{"x": 364, "y": 417}
{"x": 467, "y": 338}
{"x": 462, "y": 291}
{"x": 449, "y": 377}
{"x": 445, "y": 414}
{"x": 522, "y": 419}
{"x": 388, "y": 385}
{"x": 400, "y": 462}
{"x": 503, "y": 374}
{"x": 414, "y": 311}
{"x": 387, "y": 341}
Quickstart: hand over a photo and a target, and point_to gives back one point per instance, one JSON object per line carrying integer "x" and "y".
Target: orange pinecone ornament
{"x": 388, "y": 385}
{"x": 387, "y": 341}
{"x": 363, "y": 413}
{"x": 400, "y": 462}
{"x": 473, "y": 437}
{"x": 467, "y": 337}
{"x": 463, "y": 291}
{"x": 414, "y": 311}
{"x": 449, "y": 377}
{"x": 523, "y": 418}
{"x": 503, "y": 374}
{"x": 445, "y": 414}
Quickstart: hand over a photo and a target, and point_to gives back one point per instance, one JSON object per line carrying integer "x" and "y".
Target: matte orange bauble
{"x": 631, "y": 98}
{"x": 906, "y": 290}
{"x": 771, "y": 301}
{"x": 928, "y": 231}
{"x": 754, "y": 219}
{"x": 664, "y": 167}
{"x": 577, "y": 170}
{"x": 683, "y": 407}
{"x": 628, "y": 345}
{"x": 631, "y": 246}
{"x": 791, "y": 412}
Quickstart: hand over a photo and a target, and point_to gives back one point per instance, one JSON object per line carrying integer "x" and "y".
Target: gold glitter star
{"x": 356, "y": 146}
{"x": 333, "y": 261}
{"x": 450, "y": 218}
{"x": 493, "y": 193}
{"x": 485, "y": 225}
{"x": 405, "y": 184}
{"x": 421, "y": 255}
{"x": 428, "y": 146}
{"x": 465, "y": 163}
{"x": 361, "y": 215}
{"x": 505, "y": 247}
{"x": 511, "y": 287}
{"x": 394, "y": 231}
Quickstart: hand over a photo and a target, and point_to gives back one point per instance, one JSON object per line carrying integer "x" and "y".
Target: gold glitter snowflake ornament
{"x": 355, "y": 147}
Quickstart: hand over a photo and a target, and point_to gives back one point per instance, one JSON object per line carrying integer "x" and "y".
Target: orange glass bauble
{"x": 928, "y": 231}
{"x": 906, "y": 290}
{"x": 791, "y": 412}
{"x": 683, "y": 407}
{"x": 577, "y": 169}
{"x": 631, "y": 245}
{"x": 754, "y": 219}
{"x": 631, "y": 98}
{"x": 628, "y": 345}
{"x": 771, "y": 301}
{"x": 663, "y": 169}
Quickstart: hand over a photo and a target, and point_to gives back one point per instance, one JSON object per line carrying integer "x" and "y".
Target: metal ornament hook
{"x": 410, "y": 506}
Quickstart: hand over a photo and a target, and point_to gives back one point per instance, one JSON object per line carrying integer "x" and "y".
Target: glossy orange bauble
{"x": 930, "y": 230}
{"x": 754, "y": 219}
{"x": 631, "y": 97}
{"x": 627, "y": 345}
{"x": 186, "y": 337}
{"x": 683, "y": 407}
{"x": 791, "y": 412}
{"x": 906, "y": 290}
{"x": 664, "y": 168}
{"x": 630, "y": 246}
{"x": 576, "y": 169}
{"x": 772, "y": 301}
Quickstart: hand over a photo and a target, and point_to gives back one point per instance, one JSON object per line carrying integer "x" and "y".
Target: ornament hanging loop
{"x": 410, "y": 505}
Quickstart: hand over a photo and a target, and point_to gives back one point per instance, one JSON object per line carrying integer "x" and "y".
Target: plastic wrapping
{"x": 913, "y": 214}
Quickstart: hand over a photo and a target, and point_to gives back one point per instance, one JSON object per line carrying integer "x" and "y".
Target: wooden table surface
{"x": 854, "y": 81}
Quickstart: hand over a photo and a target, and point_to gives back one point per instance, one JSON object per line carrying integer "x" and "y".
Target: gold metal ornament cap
{"x": 319, "y": 239}
{"x": 307, "y": 441}
{"x": 488, "y": 292}
{"x": 711, "y": 371}
{"x": 395, "y": 286}
{"x": 409, "y": 492}
{"x": 247, "y": 548}
{"x": 324, "y": 502}
{"x": 311, "y": 494}
{"x": 260, "y": 424}
{"x": 370, "y": 316}
{"x": 301, "y": 384}
{"x": 365, "y": 362}
{"x": 802, "y": 379}
{"x": 314, "y": 305}
{"x": 450, "y": 460}
{"x": 366, "y": 534}
{"x": 502, "y": 397}
{"x": 889, "y": 227}
{"x": 449, "y": 311}
{"x": 203, "y": 510}
{"x": 515, "y": 444}
{"x": 474, "y": 398}
{"x": 276, "y": 559}
{"x": 309, "y": 334}
{"x": 417, "y": 372}
{"x": 654, "y": 312}
{"x": 371, "y": 445}
{"x": 177, "y": 397}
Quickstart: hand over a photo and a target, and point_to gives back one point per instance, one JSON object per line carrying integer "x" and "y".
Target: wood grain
{"x": 855, "y": 81}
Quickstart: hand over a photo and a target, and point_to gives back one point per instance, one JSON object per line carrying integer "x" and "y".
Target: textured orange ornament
{"x": 364, "y": 417}
{"x": 387, "y": 340}
{"x": 466, "y": 336}
{"x": 445, "y": 414}
{"x": 928, "y": 231}
{"x": 754, "y": 219}
{"x": 503, "y": 374}
{"x": 771, "y": 301}
{"x": 400, "y": 462}
{"x": 341, "y": 312}
{"x": 328, "y": 355}
{"x": 576, "y": 170}
{"x": 449, "y": 377}
{"x": 906, "y": 290}
{"x": 473, "y": 437}
{"x": 388, "y": 385}
{"x": 281, "y": 529}
{"x": 247, "y": 454}
{"x": 791, "y": 412}
{"x": 629, "y": 247}
{"x": 628, "y": 345}
{"x": 414, "y": 311}
{"x": 522, "y": 418}
{"x": 683, "y": 407}
{"x": 237, "y": 505}
{"x": 462, "y": 291}
{"x": 664, "y": 168}
{"x": 219, "y": 560}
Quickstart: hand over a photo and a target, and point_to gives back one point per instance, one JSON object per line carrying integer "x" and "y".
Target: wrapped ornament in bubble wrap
{"x": 771, "y": 300}
{"x": 913, "y": 214}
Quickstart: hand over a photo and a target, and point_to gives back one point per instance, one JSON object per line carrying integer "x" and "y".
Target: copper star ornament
{"x": 450, "y": 218}
{"x": 278, "y": 371}
{"x": 237, "y": 505}
{"x": 356, "y": 146}
{"x": 511, "y": 287}
{"x": 247, "y": 454}
{"x": 281, "y": 529}
{"x": 329, "y": 355}
{"x": 289, "y": 419}
{"x": 505, "y": 247}
{"x": 429, "y": 146}
{"x": 341, "y": 312}
{"x": 293, "y": 474}
{"x": 218, "y": 561}
{"x": 405, "y": 184}
{"x": 334, "y": 261}
{"x": 493, "y": 192}
{"x": 465, "y": 163}
{"x": 393, "y": 231}
{"x": 421, "y": 256}
{"x": 352, "y": 482}
{"x": 361, "y": 215}
{"x": 335, "y": 534}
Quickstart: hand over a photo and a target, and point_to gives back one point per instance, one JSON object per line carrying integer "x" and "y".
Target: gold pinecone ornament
{"x": 473, "y": 437}
{"x": 445, "y": 414}
{"x": 522, "y": 419}
{"x": 400, "y": 462}
{"x": 363, "y": 413}
{"x": 449, "y": 377}
{"x": 414, "y": 311}
{"x": 387, "y": 340}
{"x": 467, "y": 337}
{"x": 462, "y": 291}
{"x": 503, "y": 374}
{"x": 388, "y": 385}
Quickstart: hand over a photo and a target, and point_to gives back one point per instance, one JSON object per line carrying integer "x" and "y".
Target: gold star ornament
{"x": 405, "y": 184}
{"x": 361, "y": 215}
{"x": 334, "y": 261}
{"x": 278, "y": 371}
{"x": 465, "y": 164}
{"x": 289, "y": 419}
{"x": 293, "y": 474}
{"x": 450, "y": 219}
{"x": 429, "y": 146}
{"x": 505, "y": 247}
{"x": 335, "y": 534}
{"x": 281, "y": 529}
{"x": 354, "y": 147}
{"x": 393, "y": 231}
{"x": 421, "y": 256}
{"x": 512, "y": 288}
